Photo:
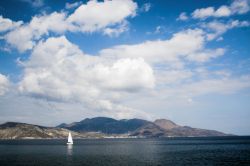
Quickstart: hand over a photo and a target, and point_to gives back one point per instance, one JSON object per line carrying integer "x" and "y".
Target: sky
{"x": 187, "y": 61}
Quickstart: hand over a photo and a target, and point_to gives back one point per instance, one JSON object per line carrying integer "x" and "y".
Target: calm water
{"x": 127, "y": 152}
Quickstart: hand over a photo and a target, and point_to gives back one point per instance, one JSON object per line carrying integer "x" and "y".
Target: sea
{"x": 127, "y": 152}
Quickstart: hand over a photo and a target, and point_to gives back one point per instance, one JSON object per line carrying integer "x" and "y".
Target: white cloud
{"x": 206, "y": 55}
{"x": 95, "y": 16}
{"x": 170, "y": 76}
{"x": 5, "y": 49}
{"x": 124, "y": 74}
{"x": 59, "y": 71}
{"x": 196, "y": 82}
{"x": 237, "y": 7}
{"x": 146, "y": 7}
{"x": 20, "y": 38}
{"x": 191, "y": 87}
{"x": 34, "y": 3}
{"x": 116, "y": 31}
{"x": 184, "y": 44}
{"x": 4, "y": 84}
{"x": 183, "y": 16}
{"x": 223, "y": 11}
{"x": 158, "y": 29}
{"x": 203, "y": 12}
{"x": 72, "y": 5}
{"x": 87, "y": 18}
{"x": 121, "y": 112}
{"x": 240, "y": 6}
{"x": 7, "y": 24}
{"x": 217, "y": 86}
{"x": 216, "y": 28}
{"x": 25, "y": 37}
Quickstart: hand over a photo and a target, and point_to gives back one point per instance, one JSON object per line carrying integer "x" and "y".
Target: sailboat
{"x": 70, "y": 140}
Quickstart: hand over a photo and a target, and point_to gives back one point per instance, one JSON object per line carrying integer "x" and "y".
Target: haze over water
{"x": 124, "y": 152}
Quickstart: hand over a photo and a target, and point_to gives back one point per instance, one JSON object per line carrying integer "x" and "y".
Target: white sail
{"x": 70, "y": 140}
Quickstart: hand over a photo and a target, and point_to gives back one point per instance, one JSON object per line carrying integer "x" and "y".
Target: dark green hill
{"x": 106, "y": 125}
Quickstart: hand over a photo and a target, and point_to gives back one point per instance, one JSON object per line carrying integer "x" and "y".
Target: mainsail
{"x": 70, "y": 140}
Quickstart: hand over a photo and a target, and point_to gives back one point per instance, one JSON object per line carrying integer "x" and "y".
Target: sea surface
{"x": 127, "y": 152}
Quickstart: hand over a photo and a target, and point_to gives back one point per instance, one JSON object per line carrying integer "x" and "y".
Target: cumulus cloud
{"x": 210, "y": 12}
{"x": 146, "y": 7}
{"x": 117, "y": 30}
{"x": 4, "y": 84}
{"x": 205, "y": 55}
{"x": 125, "y": 74}
{"x": 59, "y": 71}
{"x": 95, "y": 16}
{"x": 184, "y": 44}
{"x": 216, "y": 28}
{"x": 236, "y": 7}
{"x": 240, "y": 6}
{"x": 183, "y": 16}
{"x": 7, "y": 24}
{"x": 87, "y": 18}
{"x": 25, "y": 37}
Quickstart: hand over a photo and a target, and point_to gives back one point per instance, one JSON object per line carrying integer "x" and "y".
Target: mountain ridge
{"x": 105, "y": 125}
{"x": 141, "y": 128}
{"x": 102, "y": 127}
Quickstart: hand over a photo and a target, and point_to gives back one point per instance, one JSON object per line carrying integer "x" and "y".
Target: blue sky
{"x": 188, "y": 61}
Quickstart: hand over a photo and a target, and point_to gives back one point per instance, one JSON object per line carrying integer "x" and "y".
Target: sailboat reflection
{"x": 70, "y": 150}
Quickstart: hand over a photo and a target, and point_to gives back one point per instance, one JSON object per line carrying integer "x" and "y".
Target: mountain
{"x": 106, "y": 125}
{"x": 167, "y": 128}
{"x": 101, "y": 127}
{"x": 14, "y": 130}
{"x": 139, "y": 128}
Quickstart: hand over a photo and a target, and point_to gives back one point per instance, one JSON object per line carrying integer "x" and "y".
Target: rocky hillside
{"x": 13, "y": 130}
{"x": 165, "y": 124}
{"x": 167, "y": 128}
